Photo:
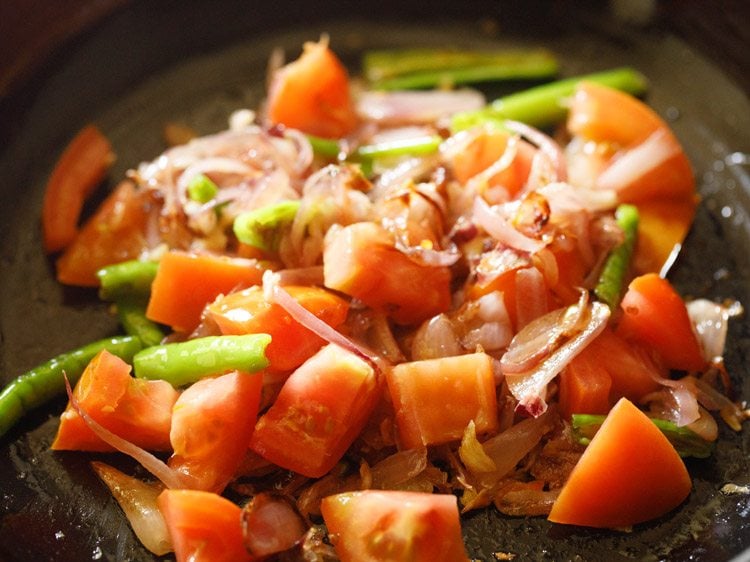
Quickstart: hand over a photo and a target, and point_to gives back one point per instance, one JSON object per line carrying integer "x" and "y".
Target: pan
{"x": 133, "y": 66}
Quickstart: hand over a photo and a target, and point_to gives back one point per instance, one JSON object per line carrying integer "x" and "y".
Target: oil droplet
{"x": 726, "y": 211}
{"x": 97, "y": 554}
{"x": 59, "y": 535}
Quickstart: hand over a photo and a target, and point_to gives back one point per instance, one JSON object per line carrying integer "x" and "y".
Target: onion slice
{"x": 549, "y": 147}
{"x": 170, "y": 478}
{"x": 138, "y": 501}
{"x": 501, "y": 230}
{"x": 529, "y": 387}
{"x": 271, "y": 525}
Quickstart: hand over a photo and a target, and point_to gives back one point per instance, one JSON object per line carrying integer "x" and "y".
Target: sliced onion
{"x": 705, "y": 426}
{"x": 502, "y": 230}
{"x": 529, "y": 387}
{"x": 548, "y": 146}
{"x": 138, "y": 501}
{"x": 521, "y": 500}
{"x": 398, "y": 468}
{"x": 271, "y": 525}
{"x": 435, "y": 338}
{"x": 711, "y": 322}
{"x": 472, "y": 454}
{"x": 429, "y": 257}
{"x": 638, "y": 161}
{"x": 170, "y": 478}
{"x": 508, "y": 448}
{"x": 418, "y": 106}
{"x": 533, "y": 343}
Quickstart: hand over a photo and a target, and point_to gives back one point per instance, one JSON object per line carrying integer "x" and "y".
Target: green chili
{"x": 128, "y": 279}
{"x": 186, "y": 362}
{"x": 132, "y": 316}
{"x": 202, "y": 189}
{"x": 430, "y": 68}
{"x": 544, "y": 105}
{"x": 686, "y": 442}
{"x": 609, "y": 289}
{"x": 45, "y": 382}
{"x": 417, "y": 146}
{"x": 262, "y": 228}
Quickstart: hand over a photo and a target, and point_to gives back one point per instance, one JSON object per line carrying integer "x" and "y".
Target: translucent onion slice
{"x": 271, "y": 525}
{"x": 549, "y": 147}
{"x": 711, "y": 321}
{"x": 138, "y": 501}
{"x": 416, "y": 106}
{"x": 502, "y": 230}
{"x": 398, "y": 468}
{"x": 529, "y": 387}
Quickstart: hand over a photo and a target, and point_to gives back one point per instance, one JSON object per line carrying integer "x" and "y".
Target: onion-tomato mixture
{"x": 360, "y": 313}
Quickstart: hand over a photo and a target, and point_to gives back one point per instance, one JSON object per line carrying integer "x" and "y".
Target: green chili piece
{"x": 686, "y": 442}
{"x": 609, "y": 288}
{"x": 45, "y": 382}
{"x": 132, "y": 316}
{"x": 544, "y": 105}
{"x": 186, "y": 362}
{"x": 404, "y": 147}
{"x": 130, "y": 279}
{"x": 429, "y": 68}
{"x": 262, "y": 227}
{"x": 202, "y": 189}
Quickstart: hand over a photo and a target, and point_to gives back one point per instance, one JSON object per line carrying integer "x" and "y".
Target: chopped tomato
{"x": 629, "y": 473}
{"x": 632, "y": 372}
{"x": 656, "y": 316}
{"x": 320, "y": 410}
{"x": 135, "y": 409}
{"x": 584, "y": 387}
{"x": 203, "y": 526}
{"x": 486, "y": 149}
{"x": 647, "y": 166}
{"x": 375, "y": 526}
{"x": 115, "y": 233}
{"x": 79, "y": 170}
{"x": 312, "y": 94}
{"x": 185, "y": 283}
{"x": 248, "y": 312}
{"x": 434, "y": 400}
{"x": 211, "y": 426}
{"x": 361, "y": 260}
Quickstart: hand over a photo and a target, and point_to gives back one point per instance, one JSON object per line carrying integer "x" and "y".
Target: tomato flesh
{"x": 377, "y": 526}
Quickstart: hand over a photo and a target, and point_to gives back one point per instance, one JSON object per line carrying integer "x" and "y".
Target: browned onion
{"x": 529, "y": 387}
{"x": 170, "y": 478}
{"x": 501, "y": 230}
{"x": 138, "y": 501}
{"x": 398, "y": 468}
{"x": 271, "y": 525}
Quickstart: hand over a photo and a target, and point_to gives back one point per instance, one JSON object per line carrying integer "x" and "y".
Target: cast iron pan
{"x": 149, "y": 63}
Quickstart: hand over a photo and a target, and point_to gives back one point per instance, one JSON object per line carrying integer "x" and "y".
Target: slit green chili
{"x": 609, "y": 288}
{"x": 129, "y": 279}
{"x": 187, "y": 362}
{"x": 45, "y": 382}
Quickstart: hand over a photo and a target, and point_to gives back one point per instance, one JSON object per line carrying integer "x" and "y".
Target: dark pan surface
{"x": 195, "y": 62}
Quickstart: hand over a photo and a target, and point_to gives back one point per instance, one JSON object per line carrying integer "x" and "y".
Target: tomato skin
{"x": 435, "y": 399}
{"x": 380, "y": 526}
{"x": 135, "y": 409}
{"x": 312, "y": 94}
{"x": 203, "y": 526}
{"x": 185, "y": 283}
{"x": 656, "y": 316}
{"x": 320, "y": 410}
{"x": 212, "y": 422}
{"x": 248, "y": 312}
{"x": 115, "y": 233}
{"x": 361, "y": 261}
{"x": 584, "y": 387}
{"x": 79, "y": 170}
{"x": 629, "y": 473}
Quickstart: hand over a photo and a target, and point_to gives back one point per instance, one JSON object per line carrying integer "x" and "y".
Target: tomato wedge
{"x": 82, "y": 166}
{"x": 185, "y": 283}
{"x": 135, "y": 409}
{"x": 312, "y": 94}
{"x": 374, "y": 526}
{"x": 434, "y": 400}
{"x": 211, "y": 426}
{"x": 656, "y": 316}
{"x": 629, "y": 473}
{"x": 320, "y": 410}
{"x": 248, "y": 312}
{"x": 115, "y": 233}
{"x": 360, "y": 260}
{"x": 203, "y": 526}
{"x": 647, "y": 167}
